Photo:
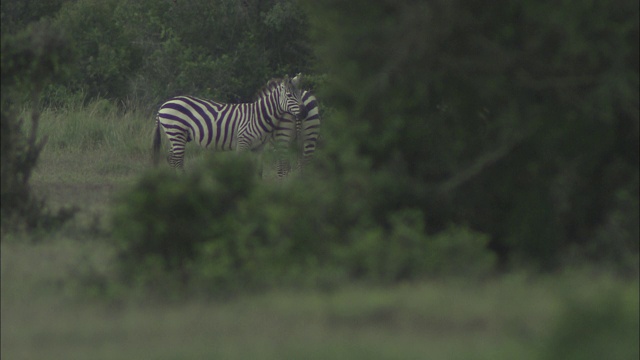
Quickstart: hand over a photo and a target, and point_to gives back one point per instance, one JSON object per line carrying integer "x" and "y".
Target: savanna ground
{"x": 52, "y": 309}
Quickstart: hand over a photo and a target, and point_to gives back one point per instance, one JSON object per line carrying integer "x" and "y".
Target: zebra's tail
{"x": 157, "y": 142}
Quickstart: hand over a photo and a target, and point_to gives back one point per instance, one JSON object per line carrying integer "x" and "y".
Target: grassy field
{"x": 49, "y": 312}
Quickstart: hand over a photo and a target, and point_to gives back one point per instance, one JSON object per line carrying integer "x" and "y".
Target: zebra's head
{"x": 291, "y": 102}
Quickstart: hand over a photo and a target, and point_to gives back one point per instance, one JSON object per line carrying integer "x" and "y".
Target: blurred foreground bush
{"x": 605, "y": 326}
{"x": 218, "y": 228}
{"x": 518, "y": 119}
{"x": 30, "y": 60}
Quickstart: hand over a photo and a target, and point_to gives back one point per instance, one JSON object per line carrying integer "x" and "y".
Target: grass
{"x": 502, "y": 318}
{"x": 50, "y": 311}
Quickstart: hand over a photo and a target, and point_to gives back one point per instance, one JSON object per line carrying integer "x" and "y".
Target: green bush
{"x": 406, "y": 251}
{"x": 217, "y": 228}
{"x": 163, "y": 222}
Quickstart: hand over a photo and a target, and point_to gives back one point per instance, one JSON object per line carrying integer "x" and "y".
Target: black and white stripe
{"x": 224, "y": 127}
{"x": 304, "y": 131}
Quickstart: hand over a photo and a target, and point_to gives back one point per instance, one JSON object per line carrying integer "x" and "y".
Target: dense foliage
{"x": 30, "y": 59}
{"x": 518, "y": 119}
{"x": 219, "y": 229}
{"x": 146, "y": 51}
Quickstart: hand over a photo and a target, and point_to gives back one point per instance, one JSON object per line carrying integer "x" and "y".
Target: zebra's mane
{"x": 266, "y": 90}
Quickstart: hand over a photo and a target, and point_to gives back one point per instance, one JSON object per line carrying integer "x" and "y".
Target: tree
{"x": 519, "y": 119}
{"x": 148, "y": 51}
{"x": 30, "y": 59}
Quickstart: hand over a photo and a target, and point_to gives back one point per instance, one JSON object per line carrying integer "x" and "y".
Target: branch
{"x": 480, "y": 165}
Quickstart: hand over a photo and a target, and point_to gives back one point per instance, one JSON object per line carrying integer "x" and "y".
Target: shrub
{"x": 217, "y": 229}
{"x": 406, "y": 251}
{"x": 165, "y": 220}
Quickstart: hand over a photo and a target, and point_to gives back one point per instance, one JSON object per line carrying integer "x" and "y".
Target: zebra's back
{"x": 206, "y": 122}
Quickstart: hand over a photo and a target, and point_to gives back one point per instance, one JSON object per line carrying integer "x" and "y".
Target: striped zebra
{"x": 304, "y": 131}
{"x": 239, "y": 127}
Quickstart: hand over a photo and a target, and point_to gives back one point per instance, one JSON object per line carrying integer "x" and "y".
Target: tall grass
{"x": 98, "y": 125}
{"x": 103, "y": 128}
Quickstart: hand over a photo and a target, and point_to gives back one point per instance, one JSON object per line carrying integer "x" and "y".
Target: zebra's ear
{"x": 286, "y": 81}
{"x": 296, "y": 80}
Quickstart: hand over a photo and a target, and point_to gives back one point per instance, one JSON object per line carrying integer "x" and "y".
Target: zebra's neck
{"x": 267, "y": 110}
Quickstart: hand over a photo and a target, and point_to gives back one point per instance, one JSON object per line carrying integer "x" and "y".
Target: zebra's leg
{"x": 176, "y": 160}
{"x": 301, "y": 162}
{"x": 260, "y": 164}
{"x": 283, "y": 166}
{"x": 176, "y": 153}
{"x": 257, "y": 152}
{"x": 283, "y": 154}
{"x": 305, "y": 154}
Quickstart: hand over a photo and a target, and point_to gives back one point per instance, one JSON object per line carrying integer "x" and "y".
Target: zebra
{"x": 305, "y": 131}
{"x": 224, "y": 127}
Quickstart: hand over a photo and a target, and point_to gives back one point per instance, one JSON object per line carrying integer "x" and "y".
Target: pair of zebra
{"x": 280, "y": 113}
